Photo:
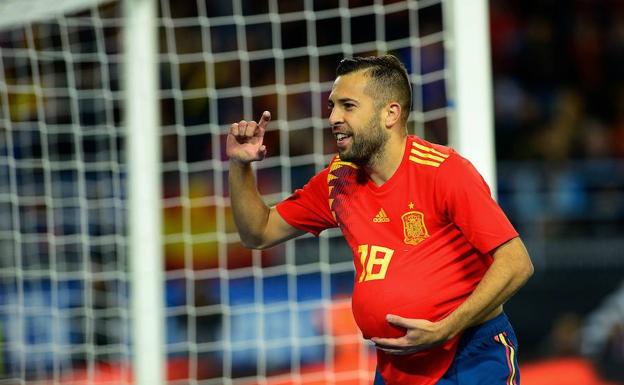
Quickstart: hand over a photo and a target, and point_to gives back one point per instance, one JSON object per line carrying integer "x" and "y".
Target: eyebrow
{"x": 343, "y": 100}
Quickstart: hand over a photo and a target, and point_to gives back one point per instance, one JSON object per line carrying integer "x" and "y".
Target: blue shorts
{"x": 487, "y": 354}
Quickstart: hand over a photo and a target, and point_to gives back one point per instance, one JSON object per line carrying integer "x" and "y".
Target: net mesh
{"x": 233, "y": 316}
{"x": 63, "y": 280}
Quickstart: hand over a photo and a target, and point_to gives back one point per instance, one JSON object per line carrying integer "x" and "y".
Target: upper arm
{"x": 306, "y": 210}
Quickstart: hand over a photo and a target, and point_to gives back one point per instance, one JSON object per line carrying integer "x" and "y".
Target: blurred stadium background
{"x": 282, "y": 316}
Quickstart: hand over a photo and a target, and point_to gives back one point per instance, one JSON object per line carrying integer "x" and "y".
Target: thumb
{"x": 399, "y": 321}
{"x": 396, "y": 320}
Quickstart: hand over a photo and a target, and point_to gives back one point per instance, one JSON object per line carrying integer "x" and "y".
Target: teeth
{"x": 340, "y": 136}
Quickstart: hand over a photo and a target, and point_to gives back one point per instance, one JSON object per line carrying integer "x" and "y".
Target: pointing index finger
{"x": 264, "y": 120}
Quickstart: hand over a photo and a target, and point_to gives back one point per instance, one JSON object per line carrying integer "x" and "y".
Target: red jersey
{"x": 421, "y": 243}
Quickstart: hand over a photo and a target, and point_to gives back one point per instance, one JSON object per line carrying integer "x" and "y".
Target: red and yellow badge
{"x": 414, "y": 228}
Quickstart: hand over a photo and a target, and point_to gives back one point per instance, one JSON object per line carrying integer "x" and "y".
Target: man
{"x": 435, "y": 257}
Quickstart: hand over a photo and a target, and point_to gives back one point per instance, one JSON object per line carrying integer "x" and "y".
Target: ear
{"x": 393, "y": 114}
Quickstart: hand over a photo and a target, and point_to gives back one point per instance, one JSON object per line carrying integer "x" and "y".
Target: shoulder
{"x": 442, "y": 164}
{"x": 427, "y": 156}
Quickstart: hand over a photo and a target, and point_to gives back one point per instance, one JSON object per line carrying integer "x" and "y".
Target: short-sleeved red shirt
{"x": 421, "y": 243}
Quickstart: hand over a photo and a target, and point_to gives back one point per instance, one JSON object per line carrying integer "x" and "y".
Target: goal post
{"x": 140, "y": 63}
{"x": 470, "y": 84}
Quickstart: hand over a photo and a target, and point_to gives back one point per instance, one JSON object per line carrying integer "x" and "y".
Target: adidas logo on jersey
{"x": 381, "y": 217}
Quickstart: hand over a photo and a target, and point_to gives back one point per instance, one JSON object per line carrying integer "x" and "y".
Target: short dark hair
{"x": 390, "y": 81}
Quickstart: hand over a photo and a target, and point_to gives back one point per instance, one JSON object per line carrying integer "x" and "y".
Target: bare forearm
{"x": 508, "y": 273}
{"x": 258, "y": 225}
{"x": 250, "y": 212}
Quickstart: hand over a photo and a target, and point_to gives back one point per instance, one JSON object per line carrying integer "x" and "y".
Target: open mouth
{"x": 341, "y": 138}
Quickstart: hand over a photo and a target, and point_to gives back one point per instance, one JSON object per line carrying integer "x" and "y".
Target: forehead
{"x": 352, "y": 86}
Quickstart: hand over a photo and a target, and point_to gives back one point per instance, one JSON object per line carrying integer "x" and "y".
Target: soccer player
{"x": 435, "y": 257}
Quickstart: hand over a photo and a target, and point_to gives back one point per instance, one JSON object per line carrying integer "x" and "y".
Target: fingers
{"x": 389, "y": 343}
{"x": 399, "y": 346}
{"x": 396, "y": 346}
{"x": 243, "y": 129}
{"x": 234, "y": 129}
{"x": 240, "y": 129}
{"x": 400, "y": 352}
{"x": 251, "y": 128}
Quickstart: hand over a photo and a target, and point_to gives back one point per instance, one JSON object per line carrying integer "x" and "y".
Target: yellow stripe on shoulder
{"x": 429, "y": 149}
{"x": 427, "y": 155}
{"x": 425, "y": 162}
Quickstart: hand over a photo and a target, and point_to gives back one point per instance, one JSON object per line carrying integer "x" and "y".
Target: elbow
{"x": 254, "y": 243}
{"x": 527, "y": 271}
{"x": 255, "y": 246}
{"x": 520, "y": 260}
{"x": 530, "y": 270}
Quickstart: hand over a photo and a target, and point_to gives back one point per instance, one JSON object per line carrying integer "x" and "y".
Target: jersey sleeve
{"x": 308, "y": 208}
{"x": 467, "y": 201}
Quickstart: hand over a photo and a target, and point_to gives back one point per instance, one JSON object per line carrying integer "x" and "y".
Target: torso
{"x": 409, "y": 258}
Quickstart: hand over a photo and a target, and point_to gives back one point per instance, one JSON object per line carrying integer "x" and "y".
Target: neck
{"x": 387, "y": 161}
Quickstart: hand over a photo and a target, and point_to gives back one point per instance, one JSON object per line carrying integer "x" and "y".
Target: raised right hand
{"x": 244, "y": 140}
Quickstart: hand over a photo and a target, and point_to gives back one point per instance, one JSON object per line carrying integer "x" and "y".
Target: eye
{"x": 349, "y": 106}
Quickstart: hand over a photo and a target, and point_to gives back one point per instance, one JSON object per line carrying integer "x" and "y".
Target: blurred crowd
{"x": 559, "y": 83}
{"x": 559, "y": 115}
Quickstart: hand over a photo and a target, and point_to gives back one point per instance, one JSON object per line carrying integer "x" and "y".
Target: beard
{"x": 368, "y": 145}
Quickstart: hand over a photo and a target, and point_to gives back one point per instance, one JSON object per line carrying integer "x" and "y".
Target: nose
{"x": 335, "y": 117}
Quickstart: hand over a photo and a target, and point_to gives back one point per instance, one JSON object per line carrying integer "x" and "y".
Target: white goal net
{"x": 233, "y": 316}
{"x": 63, "y": 270}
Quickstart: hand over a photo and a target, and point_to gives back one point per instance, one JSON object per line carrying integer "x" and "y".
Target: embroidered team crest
{"x": 414, "y": 227}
